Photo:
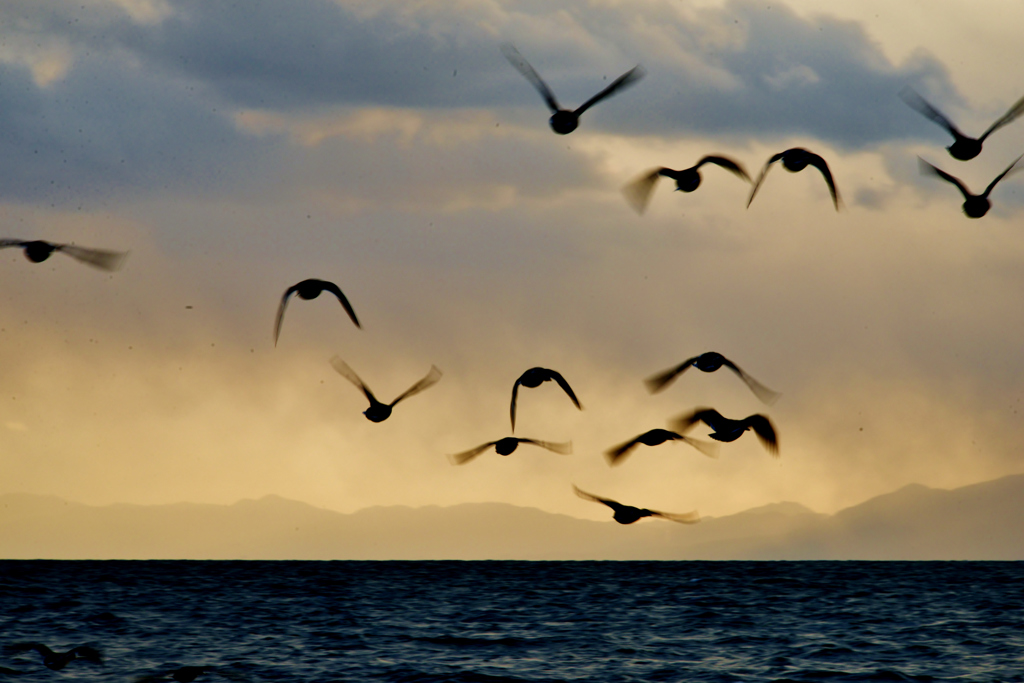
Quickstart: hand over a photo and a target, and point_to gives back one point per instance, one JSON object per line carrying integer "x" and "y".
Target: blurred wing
{"x": 563, "y": 448}
{"x": 430, "y": 380}
{"x": 280, "y": 312}
{"x": 638, "y": 191}
{"x": 656, "y": 383}
{"x": 465, "y": 456}
{"x": 691, "y": 517}
{"x": 336, "y": 291}
{"x": 763, "y": 393}
{"x": 523, "y": 67}
{"x": 566, "y": 388}
{"x": 915, "y": 101}
{"x": 623, "y": 81}
{"x": 617, "y": 454}
{"x": 708, "y": 416}
{"x": 11, "y": 243}
{"x": 820, "y": 164}
{"x": 928, "y": 168}
{"x": 708, "y": 448}
{"x": 515, "y": 395}
{"x": 345, "y": 371}
{"x": 727, "y": 164}
{"x": 100, "y": 258}
{"x": 762, "y": 426}
{"x": 595, "y": 499}
{"x": 760, "y": 178}
{"x": 1000, "y": 176}
{"x": 1015, "y": 111}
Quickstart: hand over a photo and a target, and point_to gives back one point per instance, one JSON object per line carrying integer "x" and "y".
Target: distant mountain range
{"x": 979, "y": 522}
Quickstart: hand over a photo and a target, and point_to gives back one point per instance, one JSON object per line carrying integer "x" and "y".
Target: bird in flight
{"x": 311, "y": 289}
{"x": 564, "y": 121}
{"x": 627, "y": 514}
{"x": 963, "y": 147}
{"x": 56, "y": 661}
{"x": 709, "y": 362}
{"x": 975, "y": 205}
{"x": 727, "y": 430}
{"x": 794, "y": 160}
{"x": 38, "y": 251}
{"x": 378, "y": 412}
{"x": 638, "y": 192}
{"x": 656, "y": 437}
{"x": 506, "y": 446}
{"x": 533, "y": 378}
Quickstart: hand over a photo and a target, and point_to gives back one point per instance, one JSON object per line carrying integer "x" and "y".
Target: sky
{"x": 236, "y": 148}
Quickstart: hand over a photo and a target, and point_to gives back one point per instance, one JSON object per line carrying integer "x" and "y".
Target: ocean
{"x": 498, "y": 622}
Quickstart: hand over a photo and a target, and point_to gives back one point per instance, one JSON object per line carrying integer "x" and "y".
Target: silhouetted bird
{"x": 627, "y": 514}
{"x": 56, "y": 661}
{"x": 975, "y": 206}
{"x": 38, "y": 251}
{"x": 724, "y": 429}
{"x": 638, "y": 192}
{"x": 797, "y": 159}
{"x": 656, "y": 437}
{"x": 378, "y": 412}
{"x": 532, "y": 379}
{"x": 709, "y": 362}
{"x": 963, "y": 147}
{"x": 564, "y": 121}
{"x": 506, "y": 446}
{"x": 311, "y": 289}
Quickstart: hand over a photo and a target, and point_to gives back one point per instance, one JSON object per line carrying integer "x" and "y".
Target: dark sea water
{"x": 520, "y": 621}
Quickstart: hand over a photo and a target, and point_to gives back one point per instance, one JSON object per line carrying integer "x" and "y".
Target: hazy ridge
{"x": 977, "y": 522}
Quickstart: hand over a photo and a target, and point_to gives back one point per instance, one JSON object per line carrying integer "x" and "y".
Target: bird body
{"x": 656, "y": 437}
{"x": 507, "y": 446}
{"x": 728, "y": 430}
{"x": 795, "y": 160}
{"x": 532, "y": 379}
{"x": 963, "y": 148}
{"x": 975, "y": 205}
{"x": 311, "y": 289}
{"x": 379, "y": 411}
{"x": 38, "y": 251}
{"x": 638, "y": 192}
{"x": 627, "y": 514}
{"x": 709, "y": 362}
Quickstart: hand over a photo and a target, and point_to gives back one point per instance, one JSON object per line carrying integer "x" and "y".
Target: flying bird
{"x": 709, "y": 362}
{"x": 638, "y": 192}
{"x": 627, "y": 514}
{"x": 975, "y": 205}
{"x": 378, "y": 412}
{"x": 724, "y": 429}
{"x": 38, "y": 251}
{"x": 311, "y": 289}
{"x": 506, "y": 446}
{"x": 56, "y": 661}
{"x": 656, "y": 437}
{"x": 794, "y": 160}
{"x": 533, "y": 378}
{"x": 564, "y": 121}
{"x": 963, "y": 147}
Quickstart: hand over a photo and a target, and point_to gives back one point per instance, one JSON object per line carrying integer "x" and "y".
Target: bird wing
{"x": 596, "y": 499}
{"x": 708, "y": 416}
{"x": 280, "y": 312}
{"x": 465, "y": 456}
{"x": 708, "y": 448}
{"x": 523, "y": 67}
{"x": 925, "y": 167}
{"x": 431, "y": 379}
{"x": 345, "y": 371}
{"x": 562, "y": 448}
{"x": 762, "y": 392}
{"x": 7, "y": 242}
{"x": 1000, "y": 176}
{"x": 566, "y": 388}
{"x": 515, "y": 395}
{"x": 626, "y": 79}
{"x": 727, "y": 164}
{"x": 336, "y": 291}
{"x": 915, "y": 101}
{"x": 100, "y": 258}
{"x": 638, "y": 191}
{"x": 691, "y": 517}
{"x": 617, "y": 454}
{"x": 762, "y": 426}
{"x": 656, "y": 383}
{"x": 819, "y": 163}
{"x": 1015, "y": 111}
{"x": 760, "y": 178}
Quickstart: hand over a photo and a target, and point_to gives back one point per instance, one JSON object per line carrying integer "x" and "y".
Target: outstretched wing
{"x": 760, "y": 178}
{"x": 656, "y": 383}
{"x": 336, "y": 291}
{"x": 566, "y": 388}
{"x": 596, "y": 499}
{"x": 523, "y": 67}
{"x": 762, "y": 392}
{"x": 345, "y": 371}
{"x": 617, "y": 454}
{"x": 1000, "y": 176}
{"x": 928, "y": 168}
{"x": 915, "y": 101}
{"x": 708, "y": 448}
{"x": 100, "y": 258}
{"x": 280, "y": 312}
{"x": 638, "y": 191}
{"x": 727, "y": 164}
{"x": 515, "y": 397}
{"x": 708, "y": 416}
{"x": 623, "y": 81}
{"x": 1015, "y": 111}
{"x": 762, "y": 426}
{"x": 430, "y": 380}
{"x": 691, "y": 517}
{"x": 465, "y": 456}
{"x": 562, "y": 448}
{"x": 819, "y": 163}
{"x": 11, "y": 243}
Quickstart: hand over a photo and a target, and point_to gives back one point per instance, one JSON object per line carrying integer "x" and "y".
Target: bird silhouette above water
{"x": 564, "y": 121}
{"x": 709, "y": 362}
{"x": 975, "y": 205}
{"x": 311, "y": 289}
{"x": 795, "y": 160}
{"x": 638, "y": 192}
{"x": 532, "y": 379}
{"x": 55, "y": 661}
{"x": 378, "y": 412}
{"x": 38, "y": 251}
{"x": 727, "y": 430}
{"x": 507, "y": 446}
{"x": 656, "y": 437}
{"x": 627, "y": 514}
{"x": 963, "y": 147}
